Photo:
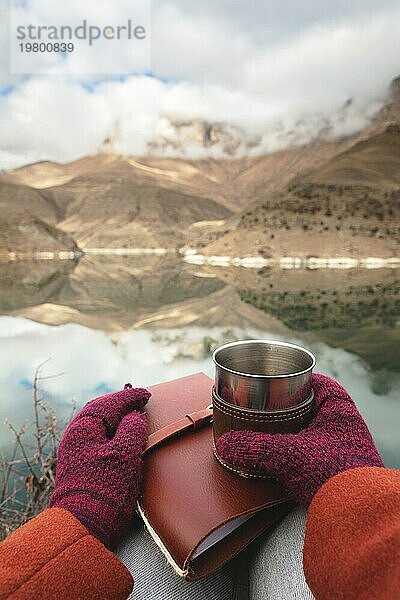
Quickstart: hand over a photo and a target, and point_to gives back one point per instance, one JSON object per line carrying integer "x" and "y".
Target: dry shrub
{"x": 27, "y": 473}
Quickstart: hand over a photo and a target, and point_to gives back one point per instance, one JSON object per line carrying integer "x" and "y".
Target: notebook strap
{"x": 190, "y": 422}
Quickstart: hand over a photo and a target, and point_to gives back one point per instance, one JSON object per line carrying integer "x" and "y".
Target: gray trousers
{"x": 270, "y": 569}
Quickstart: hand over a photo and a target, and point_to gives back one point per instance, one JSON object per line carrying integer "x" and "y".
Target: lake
{"x": 105, "y": 321}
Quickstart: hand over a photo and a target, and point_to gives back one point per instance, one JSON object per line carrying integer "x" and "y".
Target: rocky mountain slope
{"x": 348, "y": 206}
{"x": 232, "y": 183}
{"x": 339, "y": 196}
{"x": 100, "y": 211}
{"x": 101, "y": 204}
{"x": 27, "y": 222}
{"x": 373, "y": 162}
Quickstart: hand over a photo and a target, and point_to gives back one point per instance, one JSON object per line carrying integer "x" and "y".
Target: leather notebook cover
{"x": 199, "y": 513}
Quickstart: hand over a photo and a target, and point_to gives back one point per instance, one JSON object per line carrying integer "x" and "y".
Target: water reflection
{"x": 149, "y": 319}
{"x": 94, "y": 362}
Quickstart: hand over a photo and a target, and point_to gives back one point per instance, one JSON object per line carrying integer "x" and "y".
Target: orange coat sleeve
{"x": 352, "y": 541}
{"x": 54, "y": 556}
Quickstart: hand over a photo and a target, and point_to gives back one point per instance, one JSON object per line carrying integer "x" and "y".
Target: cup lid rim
{"x": 264, "y": 341}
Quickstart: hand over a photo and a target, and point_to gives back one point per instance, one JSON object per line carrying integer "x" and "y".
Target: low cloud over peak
{"x": 271, "y": 76}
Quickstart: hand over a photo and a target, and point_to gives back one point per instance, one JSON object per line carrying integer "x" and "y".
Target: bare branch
{"x": 18, "y": 441}
{"x": 51, "y": 376}
{"x": 27, "y": 475}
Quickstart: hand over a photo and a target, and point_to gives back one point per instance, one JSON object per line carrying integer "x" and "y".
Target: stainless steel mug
{"x": 262, "y": 385}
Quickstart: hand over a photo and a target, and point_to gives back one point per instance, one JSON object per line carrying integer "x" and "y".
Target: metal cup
{"x": 263, "y": 375}
{"x": 261, "y": 385}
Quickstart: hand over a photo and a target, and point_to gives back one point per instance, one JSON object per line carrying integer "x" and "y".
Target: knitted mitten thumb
{"x": 336, "y": 440}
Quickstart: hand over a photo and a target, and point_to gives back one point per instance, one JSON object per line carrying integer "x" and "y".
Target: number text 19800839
{"x": 46, "y": 47}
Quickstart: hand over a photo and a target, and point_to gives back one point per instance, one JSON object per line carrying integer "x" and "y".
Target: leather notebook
{"x": 199, "y": 513}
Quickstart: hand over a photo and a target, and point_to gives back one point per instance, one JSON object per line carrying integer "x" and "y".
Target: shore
{"x": 294, "y": 262}
{"x": 191, "y": 256}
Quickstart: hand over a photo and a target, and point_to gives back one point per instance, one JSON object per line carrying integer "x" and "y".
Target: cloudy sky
{"x": 266, "y": 67}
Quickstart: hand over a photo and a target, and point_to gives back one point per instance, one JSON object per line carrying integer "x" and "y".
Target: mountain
{"x": 349, "y": 206}
{"x": 104, "y": 211}
{"x": 27, "y": 222}
{"x": 176, "y": 136}
{"x": 102, "y": 204}
{"x": 328, "y": 197}
{"x": 114, "y": 201}
{"x": 372, "y": 162}
{"x": 117, "y": 201}
{"x": 390, "y": 113}
{"x": 230, "y": 182}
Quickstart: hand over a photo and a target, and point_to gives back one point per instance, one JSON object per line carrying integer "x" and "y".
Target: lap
{"x": 156, "y": 580}
{"x": 270, "y": 569}
{"x": 276, "y": 564}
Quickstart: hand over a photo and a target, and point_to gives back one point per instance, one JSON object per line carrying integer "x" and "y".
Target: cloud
{"x": 278, "y": 72}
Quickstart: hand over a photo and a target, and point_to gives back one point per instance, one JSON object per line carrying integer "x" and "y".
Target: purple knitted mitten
{"x": 99, "y": 462}
{"x": 336, "y": 440}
